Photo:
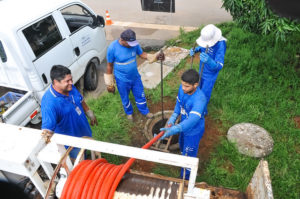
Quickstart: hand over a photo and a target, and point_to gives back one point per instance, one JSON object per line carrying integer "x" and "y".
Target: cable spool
{"x": 97, "y": 179}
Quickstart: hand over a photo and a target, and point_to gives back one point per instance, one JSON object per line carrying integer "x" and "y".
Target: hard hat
{"x": 209, "y": 36}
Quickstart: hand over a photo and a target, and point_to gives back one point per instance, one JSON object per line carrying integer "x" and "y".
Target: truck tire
{"x": 91, "y": 77}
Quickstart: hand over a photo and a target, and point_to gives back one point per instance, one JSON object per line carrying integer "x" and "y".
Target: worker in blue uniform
{"x": 63, "y": 108}
{"x": 122, "y": 62}
{"x": 190, "y": 104}
{"x": 212, "y": 48}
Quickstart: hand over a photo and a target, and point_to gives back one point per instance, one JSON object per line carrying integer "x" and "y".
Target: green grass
{"x": 113, "y": 126}
{"x": 170, "y": 86}
{"x": 166, "y": 170}
{"x": 258, "y": 84}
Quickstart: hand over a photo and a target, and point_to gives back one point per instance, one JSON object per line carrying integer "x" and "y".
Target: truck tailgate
{"x": 22, "y": 110}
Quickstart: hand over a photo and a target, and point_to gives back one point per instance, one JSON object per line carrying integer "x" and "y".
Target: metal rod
{"x": 193, "y": 55}
{"x": 162, "y": 88}
{"x": 59, "y": 165}
{"x": 202, "y": 66}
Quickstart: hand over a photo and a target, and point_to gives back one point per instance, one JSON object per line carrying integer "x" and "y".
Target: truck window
{"x": 42, "y": 35}
{"x": 2, "y": 53}
{"x": 77, "y": 16}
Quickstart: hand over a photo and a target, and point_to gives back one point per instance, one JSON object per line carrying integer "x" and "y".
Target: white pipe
{"x": 128, "y": 151}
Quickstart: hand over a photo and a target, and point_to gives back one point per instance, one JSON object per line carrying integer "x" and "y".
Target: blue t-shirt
{"x": 191, "y": 108}
{"x": 124, "y": 60}
{"x": 217, "y": 53}
{"x": 64, "y": 114}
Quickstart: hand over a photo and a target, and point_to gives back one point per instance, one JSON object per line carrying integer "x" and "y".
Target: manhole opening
{"x": 160, "y": 124}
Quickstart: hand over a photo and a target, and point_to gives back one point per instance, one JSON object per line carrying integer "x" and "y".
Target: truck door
{"x": 85, "y": 35}
{"x": 49, "y": 46}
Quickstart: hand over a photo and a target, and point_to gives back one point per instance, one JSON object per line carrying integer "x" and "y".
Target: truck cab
{"x": 34, "y": 36}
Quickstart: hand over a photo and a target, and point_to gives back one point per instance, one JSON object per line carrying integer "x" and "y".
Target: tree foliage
{"x": 256, "y": 16}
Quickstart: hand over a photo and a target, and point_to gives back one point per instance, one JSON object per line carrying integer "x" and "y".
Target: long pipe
{"x": 202, "y": 66}
{"x": 162, "y": 88}
{"x": 193, "y": 55}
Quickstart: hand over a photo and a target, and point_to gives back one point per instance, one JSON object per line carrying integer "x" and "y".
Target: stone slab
{"x": 174, "y": 54}
{"x": 251, "y": 139}
{"x": 151, "y": 73}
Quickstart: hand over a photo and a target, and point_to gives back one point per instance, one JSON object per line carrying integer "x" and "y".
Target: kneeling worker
{"x": 190, "y": 104}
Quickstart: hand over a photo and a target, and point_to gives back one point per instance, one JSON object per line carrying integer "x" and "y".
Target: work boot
{"x": 129, "y": 117}
{"x": 149, "y": 115}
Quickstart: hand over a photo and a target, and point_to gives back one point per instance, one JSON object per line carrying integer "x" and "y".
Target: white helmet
{"x": 209, "y": 36}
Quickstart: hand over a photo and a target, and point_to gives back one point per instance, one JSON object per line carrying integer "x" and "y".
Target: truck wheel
{"x": 91, "y": 77}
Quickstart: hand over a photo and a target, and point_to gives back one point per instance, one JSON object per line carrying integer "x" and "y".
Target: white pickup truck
{"x": 34, "y": 36}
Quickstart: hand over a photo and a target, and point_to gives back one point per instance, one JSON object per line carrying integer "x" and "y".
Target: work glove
{"x": 204, "y": 57}
{"x": 91, "y": 116}
{"x": 192, "y": 52}
{"x": 151, "y": 58}
{"x": 171, "y": 131}
{"x": 111, "y": 89}
{"x": 46, "y": 135}
{"x": 172, "y": 119}
{"x": 154, "y": 57}
{"x": 160, "y": 56}
{"x": 109, "y": 82}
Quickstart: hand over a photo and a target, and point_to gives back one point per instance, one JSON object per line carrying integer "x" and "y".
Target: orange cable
{"x": 97, "y": 179}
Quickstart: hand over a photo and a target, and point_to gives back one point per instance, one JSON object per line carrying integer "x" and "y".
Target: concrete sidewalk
{"x": 187, "y": 12}
{"x": 156, "y": 27}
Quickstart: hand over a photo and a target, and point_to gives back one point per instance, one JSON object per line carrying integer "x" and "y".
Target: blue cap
{"x": 129, "y": 36}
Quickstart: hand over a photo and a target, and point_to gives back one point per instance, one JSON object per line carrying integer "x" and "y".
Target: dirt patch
{"x": 145, "y": 166}
{"x": 228, "y": 166}
{"x": 297, "y": 121}
{"x": 138, "y": 138}
{"x": 169, "y": 104}
{"x": 210, "y": 139}
{"x": 221, "y": 193}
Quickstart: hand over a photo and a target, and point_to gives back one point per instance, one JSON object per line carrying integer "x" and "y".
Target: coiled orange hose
{"x": 97, "y": 179}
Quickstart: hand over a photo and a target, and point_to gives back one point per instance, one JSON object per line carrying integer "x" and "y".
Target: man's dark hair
{"x": 190, "y": 76}
{"x": 59, "y": 72}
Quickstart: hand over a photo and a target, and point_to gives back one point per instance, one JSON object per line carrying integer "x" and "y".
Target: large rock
{"x": 251, "y": 140}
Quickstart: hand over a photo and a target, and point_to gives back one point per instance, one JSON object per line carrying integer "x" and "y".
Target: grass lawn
{"x": 260, "y": 84}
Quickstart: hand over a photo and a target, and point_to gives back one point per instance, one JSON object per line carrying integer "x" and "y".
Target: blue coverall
{"x": 127, "y": 76}
{"x": 209, "y": 75}
{"x": 191, "y": 108}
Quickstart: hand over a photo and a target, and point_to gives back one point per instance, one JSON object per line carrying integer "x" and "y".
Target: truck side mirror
{"x": 100, "y": 21}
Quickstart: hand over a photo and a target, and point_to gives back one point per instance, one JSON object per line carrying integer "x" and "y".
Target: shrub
{"x": 256, "y": 16}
